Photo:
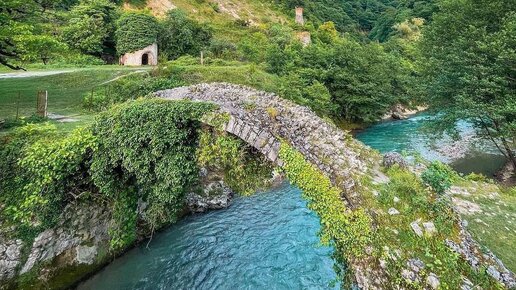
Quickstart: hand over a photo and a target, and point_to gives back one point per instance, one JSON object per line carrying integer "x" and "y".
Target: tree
{"x": 470, "y": 66}
{"x": 91, "y": 27}
{"x": 135, "y": 31}
{"x": 18, "y": 23}
{"x": 40, "y": 47}
{"x": 181, "y": 35}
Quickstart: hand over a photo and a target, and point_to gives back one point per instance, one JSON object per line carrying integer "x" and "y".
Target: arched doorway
{"x": 145, "y": 59}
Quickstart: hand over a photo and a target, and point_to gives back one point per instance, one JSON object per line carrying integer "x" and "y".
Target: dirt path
{"x": 33, "y": 74}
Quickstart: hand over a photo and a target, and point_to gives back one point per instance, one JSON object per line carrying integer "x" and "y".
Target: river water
{"x": 468, "y": 155}
{"x": 269, "y": 240}
{"x": 266, "y": 241}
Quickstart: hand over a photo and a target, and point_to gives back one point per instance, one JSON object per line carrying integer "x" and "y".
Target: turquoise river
{"x": 269, "y": 240}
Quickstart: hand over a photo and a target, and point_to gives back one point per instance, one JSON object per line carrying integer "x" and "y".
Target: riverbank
{"x": 467, "y": 155}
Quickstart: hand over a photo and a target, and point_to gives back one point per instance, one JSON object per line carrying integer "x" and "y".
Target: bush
{"x": 22, "y": 121}
{"x": 243, "y": 172}
{"x": 51, "y": 170}
{"x": 439, "y": 176}
{"x": 146, "y": 151}
{"x": 180, "y": 35}
{"x": 135, "y": 31}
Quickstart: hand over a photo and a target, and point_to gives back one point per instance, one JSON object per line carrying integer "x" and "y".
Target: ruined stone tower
{"x": 299, "y": 16}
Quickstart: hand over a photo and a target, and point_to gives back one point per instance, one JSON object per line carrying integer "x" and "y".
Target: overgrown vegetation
{"x": 146, "y": 151}
{"x": 141, "y": 150}
{"x": 395, "y": 241}
{"x": 349, "y": 231}
{"x": 243, "y": 171}
{"x": 135, "y": 31}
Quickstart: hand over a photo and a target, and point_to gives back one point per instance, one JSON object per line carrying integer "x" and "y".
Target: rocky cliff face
{"x": 80, "y": 239}
{"x": 79, "y": 245}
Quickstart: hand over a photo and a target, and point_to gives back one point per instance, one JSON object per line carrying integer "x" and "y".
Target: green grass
{"x": 220, "y": 17}
{"x": 248, "y": 75}
{"x": 65, "y": 91}
{"x": 395, "y": 241}
{"x": 495, "y": 226}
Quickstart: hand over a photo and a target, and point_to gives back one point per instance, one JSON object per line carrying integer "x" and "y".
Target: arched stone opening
{"x": 145, "y": 59}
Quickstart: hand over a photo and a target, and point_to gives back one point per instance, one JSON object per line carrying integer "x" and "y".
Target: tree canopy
{"x": 135, "y": 31}
{"x": 470, "y": 67}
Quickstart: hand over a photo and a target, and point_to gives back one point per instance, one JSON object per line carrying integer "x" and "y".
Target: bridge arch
{"x": 263, "y": 119}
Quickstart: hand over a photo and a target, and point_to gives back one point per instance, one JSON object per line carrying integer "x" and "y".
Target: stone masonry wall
{"x": 261, "y": 119}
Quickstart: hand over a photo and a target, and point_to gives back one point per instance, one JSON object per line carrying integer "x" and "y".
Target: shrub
{"x": 146, "y": 151}
{"x": 243, "y": 171}
{"x": 135, "y": 31}
{"x": 51, "y": 169}
{"x": 180, "y": 35}
{"x": 439, "y": 176}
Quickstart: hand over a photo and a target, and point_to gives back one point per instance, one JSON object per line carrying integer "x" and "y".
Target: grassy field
{"x": 65, "y": 91}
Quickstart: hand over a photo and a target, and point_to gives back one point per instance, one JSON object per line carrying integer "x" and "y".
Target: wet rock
{"x": 216, "y": 195}
{"x": 398, "y": 116}
{"x": 86, "y": 255}
{"x": 392, "y": 158}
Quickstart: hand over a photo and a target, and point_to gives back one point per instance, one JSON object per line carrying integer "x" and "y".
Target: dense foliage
{"x": 22, "y": 33}
{"x": 439, "y": 176}
{"x": 348, "y": 230}
{"x": 469, "y": 68}
{"x": 146, "y": 151}
{"x": 360, "y": 81}
{"x": 43, "y": 173}
{"x": 135, "y": 31}
{"x": 374, "y": 18}
{"x": 243, "y": 171}
{"x": 91, "y": 26}
{"x": 180, "y": 35}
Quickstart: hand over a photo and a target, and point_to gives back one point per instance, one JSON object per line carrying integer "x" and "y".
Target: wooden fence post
{"x": 18, "y": 106}
{"x": 42, "y": 105}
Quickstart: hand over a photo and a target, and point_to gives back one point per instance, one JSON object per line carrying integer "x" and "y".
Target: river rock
{"x": 392, "y": 158}
{"x": 215, "y": 195}
{"x": 393, "y": 211}
{"x": 433, "y": 281}
{"x": 86, "y": 255}
{"x": 416, "y": 228}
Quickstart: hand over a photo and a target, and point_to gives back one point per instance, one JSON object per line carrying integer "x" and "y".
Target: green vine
{"x": 348, "y": 230}
{"x": 50, "y": 173}
{"x": 146, "y": 152}
{"x": 243, "y": 171}
{"x": 135, "y": 31}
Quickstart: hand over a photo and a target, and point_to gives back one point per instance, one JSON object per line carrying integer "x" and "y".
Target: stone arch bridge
{"x": 262, "y": 119}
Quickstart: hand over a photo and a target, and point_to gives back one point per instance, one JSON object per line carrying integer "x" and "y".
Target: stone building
{"x": 144, "y": 56}
{"x": 299, "y": 16}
